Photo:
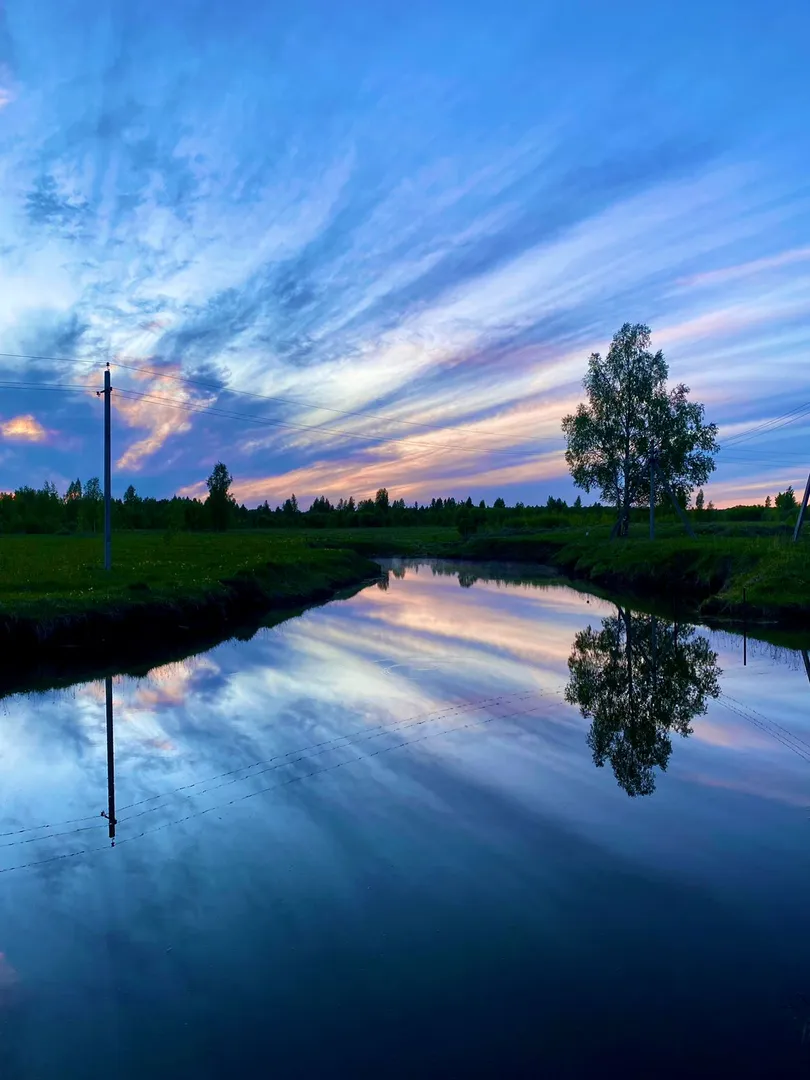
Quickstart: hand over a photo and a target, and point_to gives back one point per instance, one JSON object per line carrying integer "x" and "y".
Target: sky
{"x": 347, "y": 246}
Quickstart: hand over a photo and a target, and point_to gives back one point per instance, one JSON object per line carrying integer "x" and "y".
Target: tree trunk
{"x": 626, "y": 509}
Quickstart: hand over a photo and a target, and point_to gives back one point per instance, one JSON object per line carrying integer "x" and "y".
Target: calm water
{"x": 379, "y": 840}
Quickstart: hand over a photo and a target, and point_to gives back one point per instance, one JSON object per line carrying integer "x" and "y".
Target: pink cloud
{"x": 754, "y": 490}
{"x": 754, "y": 266}
{"x": 405, "y": 477}
{"x": 160, "y": 419}
{"x": 24, "y": 428}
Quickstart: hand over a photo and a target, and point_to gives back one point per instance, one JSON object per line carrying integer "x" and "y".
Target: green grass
{"x": 744, "y": 570}
{"x": 766, "y": 577}
{"x": 44, "y": 576}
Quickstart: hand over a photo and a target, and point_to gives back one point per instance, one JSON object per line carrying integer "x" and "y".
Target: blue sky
{"x": 408, "y": 225}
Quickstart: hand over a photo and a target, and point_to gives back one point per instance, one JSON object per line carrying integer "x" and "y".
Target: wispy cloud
{"x": 750, "y": 268}
{"x": 758, "y": 488}
{"x": 323, "y": 234}
{"x": 417, "y": 476}
{"x": 142, "y": 407}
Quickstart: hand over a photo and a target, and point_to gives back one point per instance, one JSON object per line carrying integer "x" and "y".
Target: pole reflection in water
{"x": 110, "y": 814}
{"x": 637, "y": 679}
{"x": 806, "y": 658}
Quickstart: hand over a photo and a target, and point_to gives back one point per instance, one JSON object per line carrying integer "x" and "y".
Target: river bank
{"x": 164, "y": 599}
{"x": 726, "y": 580}
{"x": 732, "y": 580}
{"x": 171, "y": 595}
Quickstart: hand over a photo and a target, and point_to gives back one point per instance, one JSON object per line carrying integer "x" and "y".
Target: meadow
{"x": 732, "y": 570}
{"x": 45, "y": 576}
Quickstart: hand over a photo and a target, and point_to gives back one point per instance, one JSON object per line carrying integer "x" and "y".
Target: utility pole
{"x": 802, "y": 510}
{"x": 107, "y": 473}
{"x": 652, "y": 493}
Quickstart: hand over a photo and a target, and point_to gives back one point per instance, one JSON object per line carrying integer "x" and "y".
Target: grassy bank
{"x": 733, "y": 576}
{"x": 164, "y": 594}
{"x": 169, "y": 594}
{"x": 727, "y": 579}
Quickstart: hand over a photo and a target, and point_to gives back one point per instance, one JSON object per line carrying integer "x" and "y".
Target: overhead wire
{"x": 735, "y": 442}
{"x": 791, "y": 742}
{"x": 220, "y": 389}
{"x": 8, "y": 385}
{"x": 775, "y": 423}
{"x": 272, "y": 422}
{"x": 738, "y": 439}
{"x": 341, "y": 764}
{"x": 741, "y": 436}
{"x": 781, "y": 734}
{"x": 361, "y": 413}
{"x": 772, "y": 723}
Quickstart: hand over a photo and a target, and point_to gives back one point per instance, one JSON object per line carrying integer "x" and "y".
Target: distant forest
{"x": 81, "y": 510}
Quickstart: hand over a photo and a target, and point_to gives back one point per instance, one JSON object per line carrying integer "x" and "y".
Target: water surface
{"x": 454, "y": 825}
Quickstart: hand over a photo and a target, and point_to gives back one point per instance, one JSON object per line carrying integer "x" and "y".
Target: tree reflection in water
{"x": 637, "y": 679}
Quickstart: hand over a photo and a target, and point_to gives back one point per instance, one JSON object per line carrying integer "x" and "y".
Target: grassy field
{"x": 46, "y": 577}
{"x": 56, "y": 575}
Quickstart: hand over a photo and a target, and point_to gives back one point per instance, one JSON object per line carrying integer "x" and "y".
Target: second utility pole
{"x": 107, "y": 473}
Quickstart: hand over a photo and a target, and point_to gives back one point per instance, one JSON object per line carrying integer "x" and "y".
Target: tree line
{"x": 81, "y": 510}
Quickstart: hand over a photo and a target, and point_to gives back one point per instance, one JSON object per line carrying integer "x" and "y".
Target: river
{"x": 457, "y": 824}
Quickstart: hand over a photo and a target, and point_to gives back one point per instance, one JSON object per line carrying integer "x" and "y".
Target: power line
{"x": 789, "y": 741}
{"x": 733, "y": 442}
{"x": 53, "y": 359}
{"x": 260, "y": 397}
{"x": 743, "y": 436}
{"x": 785, "y": 731}
{"x": 775, "y": 423}
{"x": 767, "y": 426}
{"x": 173, "y": 403}
{"x": 304, "y": 404}
{"x": 46, "y": 386}
{"x": 767, "y": 459}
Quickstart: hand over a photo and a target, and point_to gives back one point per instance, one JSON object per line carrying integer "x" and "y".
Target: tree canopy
{"x": 628, "y": 417}
{"x": 219, "y": 501}
{"x": 786, "y": 501}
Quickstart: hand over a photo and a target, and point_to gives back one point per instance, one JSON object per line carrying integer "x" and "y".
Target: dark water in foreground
{"x": 376, "y": 840}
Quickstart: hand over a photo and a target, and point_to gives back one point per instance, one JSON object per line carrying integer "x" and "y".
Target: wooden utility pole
{"x": 652, "y": 493}
{"x": 802, "y": 511}
{"x": 107, "y": 473}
